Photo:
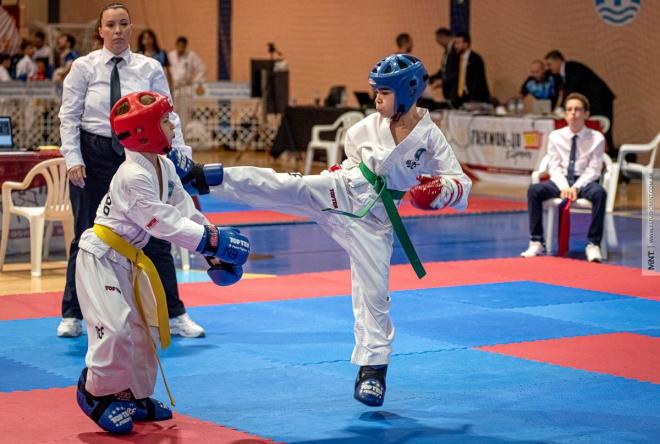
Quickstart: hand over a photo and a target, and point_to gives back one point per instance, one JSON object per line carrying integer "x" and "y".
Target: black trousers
{"x": 101, "y": 163}
{"x": 539, "y": 192}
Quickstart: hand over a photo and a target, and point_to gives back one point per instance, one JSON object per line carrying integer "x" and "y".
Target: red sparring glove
{"x": 435, "y": 193}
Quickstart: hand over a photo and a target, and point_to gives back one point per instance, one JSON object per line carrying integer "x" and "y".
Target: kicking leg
{"x": 267, "y": 189}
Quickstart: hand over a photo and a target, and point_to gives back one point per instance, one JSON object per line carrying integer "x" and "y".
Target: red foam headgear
{"x": 137, "y": 124}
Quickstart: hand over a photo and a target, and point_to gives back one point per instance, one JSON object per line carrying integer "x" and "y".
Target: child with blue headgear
{"x": 394, "y": 150}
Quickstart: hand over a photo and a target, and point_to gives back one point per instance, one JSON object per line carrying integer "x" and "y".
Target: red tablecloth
{"x": 14, "y": 165}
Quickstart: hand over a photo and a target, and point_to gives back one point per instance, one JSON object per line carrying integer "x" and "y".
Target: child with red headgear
{"x": 119, "y": 290}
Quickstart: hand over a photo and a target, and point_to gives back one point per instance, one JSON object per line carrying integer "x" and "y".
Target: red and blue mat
{"x": 224, "y": 213}
{"x": 503, "y": 350}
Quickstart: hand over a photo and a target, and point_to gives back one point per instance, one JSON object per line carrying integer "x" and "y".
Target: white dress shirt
{"x": 86, "y": 97}
{"x": 588, "y": 157}
{"x": 186, "y": 69}
{"x": 25, "y": 66}
{"x": 43, "y": 53}
{"x": 4, "y": 74}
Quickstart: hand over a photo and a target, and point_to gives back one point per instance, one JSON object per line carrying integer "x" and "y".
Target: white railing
{"x": 213, "y": 115}
{"x": 222, "y": 114}
{"x": 33, "y": 108}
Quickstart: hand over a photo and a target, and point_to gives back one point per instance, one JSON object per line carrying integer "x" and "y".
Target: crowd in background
{"x": 462, "y": 78}
{"x": 36, "y": 61}
{"x": 461, "y": 75}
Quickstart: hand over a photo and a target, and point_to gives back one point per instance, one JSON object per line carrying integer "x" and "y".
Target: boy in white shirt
{"x": 26, "y": 68}
{"x": 576, "y": 162}
{"x": 186, "y": 66}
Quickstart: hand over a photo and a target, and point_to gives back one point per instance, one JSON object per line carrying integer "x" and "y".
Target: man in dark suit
{"x": 447, "y": 75}
{"x": 471, "y": 84}
{"x": 443, "y": 37}
{"x": 579, "y": 78}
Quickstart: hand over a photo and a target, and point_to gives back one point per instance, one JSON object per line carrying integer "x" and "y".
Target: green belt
{"x": 387, "y": 196}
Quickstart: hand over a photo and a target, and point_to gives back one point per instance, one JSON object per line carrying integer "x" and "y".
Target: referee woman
{"x": 95, "y": 83}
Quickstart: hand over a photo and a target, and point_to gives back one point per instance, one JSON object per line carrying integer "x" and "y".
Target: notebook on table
{"x": 6, "y": 135}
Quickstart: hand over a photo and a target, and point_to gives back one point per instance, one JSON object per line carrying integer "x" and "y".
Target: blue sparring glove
{"x": 227, "y": 244}
{"x": 223, "y": 274}
{"x": 196, "y": 178}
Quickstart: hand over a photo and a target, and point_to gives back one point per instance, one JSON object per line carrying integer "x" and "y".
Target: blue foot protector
{"x": 370, "y": 385}
{"x": 149, "y": 409}
{"x": 112, "y": 412}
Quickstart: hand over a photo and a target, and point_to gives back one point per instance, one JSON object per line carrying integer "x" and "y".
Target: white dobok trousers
{"x": 368, "y": 241}
{"x": 119, "y": 354}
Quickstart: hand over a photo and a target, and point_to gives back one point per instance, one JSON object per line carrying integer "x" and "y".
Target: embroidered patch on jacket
{"x": 152, "y": 223}
{"x": 170, "y": 188}
{"x": 112, "y": 288}
{"x": 415, "y": 162}
{"x": 99, "y": 331}
{"x": 333, "y": 198}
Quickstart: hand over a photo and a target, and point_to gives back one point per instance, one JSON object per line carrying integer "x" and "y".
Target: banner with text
{"x": 504, "y": 149}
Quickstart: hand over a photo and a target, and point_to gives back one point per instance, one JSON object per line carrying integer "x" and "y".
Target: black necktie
{"x": 571, "y": 162}
{"x": 115, "y": 95}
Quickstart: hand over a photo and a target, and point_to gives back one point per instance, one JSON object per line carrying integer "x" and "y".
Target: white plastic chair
{"x": 333, "y": 148}
{"x": 551, "y": 205}
{"x": 56, "y": 208}
{"x": 625, "y": 167}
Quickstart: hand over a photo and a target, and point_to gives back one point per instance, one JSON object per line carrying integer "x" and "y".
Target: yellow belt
{"x": 143, "y": 264}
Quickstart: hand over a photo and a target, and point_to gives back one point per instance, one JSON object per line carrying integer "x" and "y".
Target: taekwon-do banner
{"x": 502, "y": 149}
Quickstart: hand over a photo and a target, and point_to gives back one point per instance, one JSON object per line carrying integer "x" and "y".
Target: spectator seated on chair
{"x": 576, "y": 160}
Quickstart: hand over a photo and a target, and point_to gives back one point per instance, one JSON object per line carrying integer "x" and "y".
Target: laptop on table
{"x": 6, "y": 135}
{"x": 539, "y": 107}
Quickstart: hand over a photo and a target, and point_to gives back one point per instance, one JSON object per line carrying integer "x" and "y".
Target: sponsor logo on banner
{"x": 510, "y": 142}
{"x": 496, "y": 138}
{"x": 532, "y": 140}
{"x": 503, "y": 149}
{"x": 617, "y": 12}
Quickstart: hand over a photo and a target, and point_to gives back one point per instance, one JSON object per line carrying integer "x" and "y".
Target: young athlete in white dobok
{"x": 120, "y": 293}
{"x": 394, "y": 150}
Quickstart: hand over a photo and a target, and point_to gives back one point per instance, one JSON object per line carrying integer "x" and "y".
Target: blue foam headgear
{"x": 405, "y": 75}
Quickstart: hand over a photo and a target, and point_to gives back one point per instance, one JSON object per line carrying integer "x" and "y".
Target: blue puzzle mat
{"x": 281, "y": 369}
